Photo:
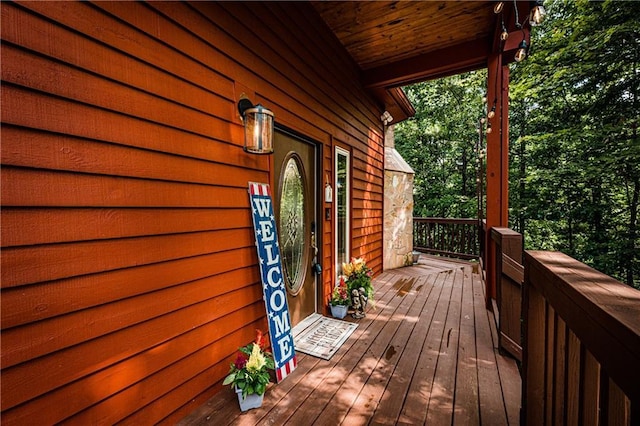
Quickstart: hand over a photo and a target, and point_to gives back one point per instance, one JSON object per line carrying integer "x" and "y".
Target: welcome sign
{"x": 275, "y": 294}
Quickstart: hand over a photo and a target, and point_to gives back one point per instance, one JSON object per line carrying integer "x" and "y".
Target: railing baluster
{"x": 447, "y": 237}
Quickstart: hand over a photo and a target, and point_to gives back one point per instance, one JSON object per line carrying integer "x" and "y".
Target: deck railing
{"x": 581, "y": 347}
{"x": 510, "y": 275}
{"x": 447, "y": 237}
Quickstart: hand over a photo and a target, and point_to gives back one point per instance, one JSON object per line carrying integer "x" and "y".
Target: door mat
{"x": 321, "y": 336}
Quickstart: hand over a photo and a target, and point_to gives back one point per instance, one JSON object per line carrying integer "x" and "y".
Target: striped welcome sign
{"x": 275, "y": 294}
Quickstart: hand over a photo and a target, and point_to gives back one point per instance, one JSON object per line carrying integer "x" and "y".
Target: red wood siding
{"x": 129, "y": 273}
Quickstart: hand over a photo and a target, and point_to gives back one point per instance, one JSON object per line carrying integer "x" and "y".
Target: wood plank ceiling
{"x": 396, "y": 43}
{"x": 378, "y": 33}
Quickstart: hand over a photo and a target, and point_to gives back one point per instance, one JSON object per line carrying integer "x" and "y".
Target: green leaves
{"x": 439, "y": 144}
{"x": 574, "y": 146}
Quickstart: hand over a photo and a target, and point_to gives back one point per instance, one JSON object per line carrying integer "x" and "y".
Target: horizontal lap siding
{"x": 128, "y": 267}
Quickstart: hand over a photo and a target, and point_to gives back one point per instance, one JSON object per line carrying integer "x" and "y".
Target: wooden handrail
{"x": 582, "y": 344}
{"x": 512, "y": 269}
{"x": 447, "y": 221}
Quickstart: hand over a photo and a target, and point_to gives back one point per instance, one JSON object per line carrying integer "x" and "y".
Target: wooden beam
{"x": 497, "y": 161}
{"x": 456, "y": 59}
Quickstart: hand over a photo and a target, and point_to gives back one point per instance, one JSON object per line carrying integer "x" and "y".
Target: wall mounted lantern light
{"x": 258, "y": 127}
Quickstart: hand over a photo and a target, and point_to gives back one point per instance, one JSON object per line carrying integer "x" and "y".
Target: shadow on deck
{"x": 426, "y": 354}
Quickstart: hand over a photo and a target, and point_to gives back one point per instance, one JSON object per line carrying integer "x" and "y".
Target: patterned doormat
{"x": 321, "y": 336}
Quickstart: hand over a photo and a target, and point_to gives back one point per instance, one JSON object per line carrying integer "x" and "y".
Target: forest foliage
{"x": 574, "y": 178}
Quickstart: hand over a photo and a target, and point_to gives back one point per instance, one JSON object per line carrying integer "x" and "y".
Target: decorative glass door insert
{"x": 292, "y": 208}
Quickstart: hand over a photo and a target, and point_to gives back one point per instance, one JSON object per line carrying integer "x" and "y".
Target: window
{"x": 342, "y": 208}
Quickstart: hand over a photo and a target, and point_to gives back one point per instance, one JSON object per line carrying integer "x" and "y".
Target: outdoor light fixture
{"x": 258, "y": 127}
{"x": 498, "y": 7}
{"x": 537, "y": 14}
{"x": 386, "y": 118}
{"x": 521, "y": 53}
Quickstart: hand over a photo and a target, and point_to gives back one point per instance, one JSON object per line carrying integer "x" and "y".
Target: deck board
{"x": 426, "y": 354}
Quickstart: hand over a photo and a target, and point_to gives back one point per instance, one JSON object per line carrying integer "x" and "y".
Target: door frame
{"x": 318, "y": 148}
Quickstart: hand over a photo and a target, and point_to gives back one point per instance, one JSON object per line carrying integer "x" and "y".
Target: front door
{"x": 295, "y": 182}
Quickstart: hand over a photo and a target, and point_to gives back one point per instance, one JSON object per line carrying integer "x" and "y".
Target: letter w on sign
{"x": 275, "y": 293}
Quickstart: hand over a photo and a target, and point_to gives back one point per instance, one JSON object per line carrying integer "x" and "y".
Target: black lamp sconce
{"x": 258, "y": 127}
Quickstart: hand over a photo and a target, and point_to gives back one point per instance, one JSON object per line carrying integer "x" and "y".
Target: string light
{"x": 521, "y": 53}
{"x": 537, "y": 14}
{"x": 504, "y": 35}
{"x": 497, "y": 8}
{"x": 492, "y": 113}
{"x": 489, "y": 130}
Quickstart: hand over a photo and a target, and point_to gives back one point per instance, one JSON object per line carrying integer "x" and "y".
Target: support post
{"x": 497, "y": 163}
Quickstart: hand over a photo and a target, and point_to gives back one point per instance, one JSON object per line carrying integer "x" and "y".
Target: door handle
{"x": 315, "y": 266}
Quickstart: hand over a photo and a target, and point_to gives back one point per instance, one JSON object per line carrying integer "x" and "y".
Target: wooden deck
{"x": 425, "y": 355}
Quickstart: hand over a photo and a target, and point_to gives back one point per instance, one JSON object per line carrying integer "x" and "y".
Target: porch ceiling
{"x": 396, "y": 43}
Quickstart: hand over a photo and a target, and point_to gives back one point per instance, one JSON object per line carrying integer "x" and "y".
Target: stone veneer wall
{"x": 398, "y": 206}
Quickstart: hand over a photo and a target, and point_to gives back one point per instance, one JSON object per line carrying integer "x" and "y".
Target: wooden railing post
{"x": 509, "y": 277}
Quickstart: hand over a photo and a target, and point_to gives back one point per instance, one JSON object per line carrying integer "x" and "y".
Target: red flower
{"x": 241, "y": 361}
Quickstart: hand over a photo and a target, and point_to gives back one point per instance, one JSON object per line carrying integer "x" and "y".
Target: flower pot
{"x": 250, "y": 401}
{"x": 339, "y": 311}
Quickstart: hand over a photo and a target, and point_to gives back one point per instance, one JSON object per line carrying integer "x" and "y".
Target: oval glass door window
{"x": 292, "y": 238}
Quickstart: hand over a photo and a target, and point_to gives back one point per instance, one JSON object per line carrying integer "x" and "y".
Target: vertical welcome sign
{"x": 275, "y": 294}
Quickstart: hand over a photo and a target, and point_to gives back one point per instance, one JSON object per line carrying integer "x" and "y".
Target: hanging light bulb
{"x": 492, "y": 113}
{"x": 537, "y": 14}
{"x": 484, "y": 99}
{"x": 504, "y": 35}
{"x": 489, "y": 130}
{"x": 482, "y": 120}
{"x": 497, "y": 8}
{"x": 521, "y": 53}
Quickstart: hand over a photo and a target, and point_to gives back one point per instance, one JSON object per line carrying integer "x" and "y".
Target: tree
{"x": 576, "y": 152}
{"x": 439, "y": 144}
{"x": 574, "y": 148}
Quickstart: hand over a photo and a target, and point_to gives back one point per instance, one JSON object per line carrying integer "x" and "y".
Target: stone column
{"x": 398, "y": 205}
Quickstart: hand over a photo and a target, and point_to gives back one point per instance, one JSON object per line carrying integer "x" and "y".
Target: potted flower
{"x": 358, "y": 284}
{"x": 339, "y": 302}
{"x": 250, "y": 373}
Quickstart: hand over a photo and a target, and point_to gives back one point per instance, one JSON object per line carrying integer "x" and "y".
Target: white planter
{"x": 339, "y": 311}
{"x": 250, "y": 402}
